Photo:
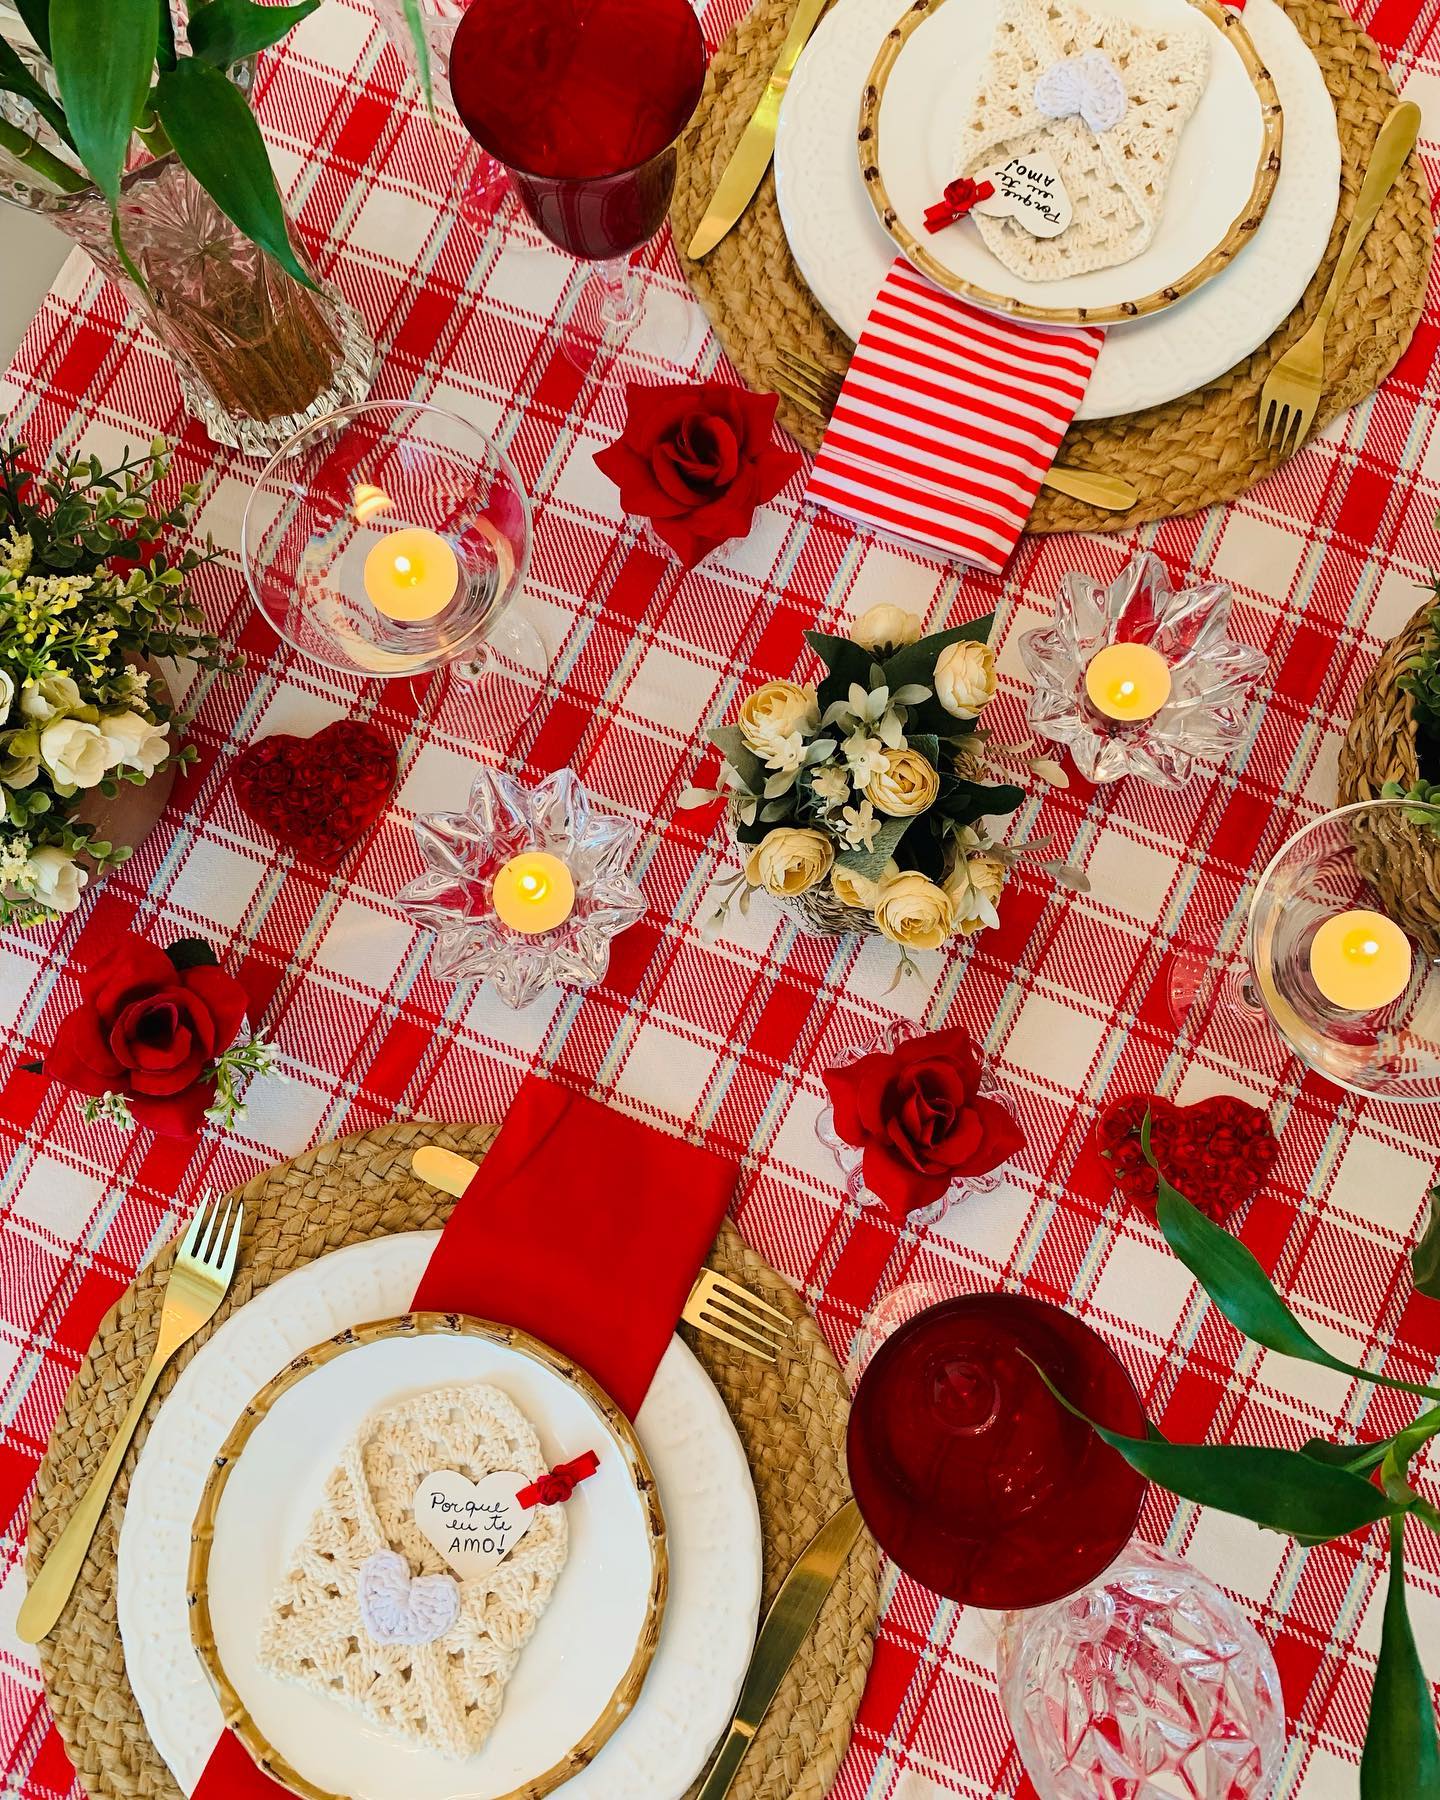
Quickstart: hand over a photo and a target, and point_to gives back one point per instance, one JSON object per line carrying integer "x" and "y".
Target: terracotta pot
{"x": 129, "y": 816}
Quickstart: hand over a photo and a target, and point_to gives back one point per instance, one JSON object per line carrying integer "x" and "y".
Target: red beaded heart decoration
{"x": 318, "y": 795}
{"x": 1216, "y": 1152}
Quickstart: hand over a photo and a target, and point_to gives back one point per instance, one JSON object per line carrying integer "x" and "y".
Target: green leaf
{"x": 730, "y": 742}
{"x": 192, "y": 953}
{"x": 35, "y": 15}
{"x": 416, "y": 22}
{"x": 165, "y": 35}
{"x": 871, "y": 863}
{"x": 1235, "y": 1281}
{"x": 1279, "y": 1489}
{"x": 104, "y": 57}
{"x": 1401, "y": 1754}
{"x": 916, "y": 662}
{"x": 227, "y": 31}
{"x": 848, "y": 665}
{"x": 1425, "y": 1257}
{"x": 1360, "y": 1459}
{"x": 15, "y": 78}
{"x": 216, "y": 137}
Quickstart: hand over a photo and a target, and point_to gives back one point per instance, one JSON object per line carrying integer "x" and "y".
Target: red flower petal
{"x": 174, "y": 1115}
{"x": 81, "y": 1058}
{"x": 131, "y": 965}
{"x": 223, "y": 999}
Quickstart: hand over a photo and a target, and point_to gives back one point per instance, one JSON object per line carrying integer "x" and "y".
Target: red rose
{"x": 697, "y": 461}
{"x": 148, "y": 1030}
{"x": 920, "y": 1118}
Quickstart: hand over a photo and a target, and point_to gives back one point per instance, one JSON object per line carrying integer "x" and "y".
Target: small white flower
{"x": 860, "y": 825}
{"x": 783, "y": 753}
{"x": 14, "y": 861}
{"x": 15, "y": 553}
{"x": 7, "y": 694}
{"x": 135, "y": 742}
{"x": 831, "y": 784}
{"x": 865, "y": 755}
{"x": 43, "y": 699}
{"x": 55, "y": 879}
{"x": 75, "y": 753}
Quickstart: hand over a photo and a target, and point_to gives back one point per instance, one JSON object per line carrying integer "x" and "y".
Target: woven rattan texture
{"x": 1179, "y": 457}
{"x": 1380, "y": 747}
{"x": 791, "y": 1419}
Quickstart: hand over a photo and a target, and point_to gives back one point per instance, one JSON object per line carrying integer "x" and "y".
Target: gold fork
{"x": 816, "y": 390}
{"x": 1291, "y": 394}
{"x": 203, "y": 1269}
{"x": 720, "y": 1308}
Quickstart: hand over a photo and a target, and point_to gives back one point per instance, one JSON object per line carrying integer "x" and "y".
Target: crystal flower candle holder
{"x": 1210, "y": 674}
{"x": 851, "y": 1157}
{"x": 464, "y": 852}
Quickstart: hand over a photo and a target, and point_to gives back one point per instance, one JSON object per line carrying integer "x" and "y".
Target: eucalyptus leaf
{"x": 1401, "y": 1756}
{"x": 916, "y": 662}
{"x": 104, "y": 58}
{"x": 728, "y": 740}
{"x": 928, "y": 746}
{"x": 1425, "y": 1257}
{"x": 16, "y": 79}
{"x": 224, "y": 32}
{"x": 216, "y": 137}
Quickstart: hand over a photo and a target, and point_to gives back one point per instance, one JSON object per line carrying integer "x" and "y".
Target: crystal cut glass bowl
{"x": 464, "y": 851}
{"x": 1149, "y": 1685}
{"x": 1210, "y": 674}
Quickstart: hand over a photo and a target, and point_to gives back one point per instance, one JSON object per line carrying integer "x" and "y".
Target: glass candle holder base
{"x": 465, "y": 852}
{"x": 1201, "y": 717}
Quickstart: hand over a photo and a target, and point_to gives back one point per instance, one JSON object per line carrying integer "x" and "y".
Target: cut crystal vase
{"x": 258, "y": 356}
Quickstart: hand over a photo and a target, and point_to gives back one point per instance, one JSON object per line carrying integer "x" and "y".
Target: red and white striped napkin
{"x": 949, "y": 418}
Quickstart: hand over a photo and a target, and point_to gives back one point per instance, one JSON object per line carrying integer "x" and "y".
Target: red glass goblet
{"x": 971, "y": 1475}
{"x": 582, "y": 101}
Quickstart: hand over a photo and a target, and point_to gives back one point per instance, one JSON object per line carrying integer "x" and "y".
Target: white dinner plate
{"x": 705, "y": 1490}
{"x": 843, "y": 252}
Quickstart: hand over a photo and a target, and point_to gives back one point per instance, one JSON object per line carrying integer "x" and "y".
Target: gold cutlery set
{"x": 1290, "y": 397}
{"x": 203, "y": 1270}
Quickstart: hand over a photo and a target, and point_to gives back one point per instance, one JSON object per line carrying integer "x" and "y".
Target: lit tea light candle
{"x": 533, "y": 892}
{"x": 1361, "y": 960}
{"x": 411, "y": 575}
{"x": 1128, "y": 682}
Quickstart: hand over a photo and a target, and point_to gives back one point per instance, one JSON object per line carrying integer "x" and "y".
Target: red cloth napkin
{"x": 949, "y": 418}
{"x": 584, "y": 1228}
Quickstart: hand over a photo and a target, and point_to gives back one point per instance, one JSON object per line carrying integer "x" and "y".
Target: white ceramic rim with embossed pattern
{"x": 699, "y": 1463}
{"x": 843, "y": 252}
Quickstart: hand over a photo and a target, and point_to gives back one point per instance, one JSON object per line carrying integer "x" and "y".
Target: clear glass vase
{"x": 258, "y": 356}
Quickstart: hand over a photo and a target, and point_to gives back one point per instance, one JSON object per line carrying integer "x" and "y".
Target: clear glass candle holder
{"x": 851, "y": 1157}
{"x": 465, "y": 851}
{"x": 334, "y": 495}
{"x": 1210, "y": 674}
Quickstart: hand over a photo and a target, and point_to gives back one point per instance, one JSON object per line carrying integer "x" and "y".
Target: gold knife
{"x": 787, "y": 1625}
{"x": 751, "y": 157}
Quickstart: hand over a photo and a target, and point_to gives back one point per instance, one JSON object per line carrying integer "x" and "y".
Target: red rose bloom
{"x": 1216, "y": 1152}
{"x": 920, "y": 1118}
{"x": 147, "y": 1030}
{"x": 696, "y": 461}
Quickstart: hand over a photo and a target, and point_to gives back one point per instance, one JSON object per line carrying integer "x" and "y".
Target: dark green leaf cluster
{"x": 1420, "y": 679}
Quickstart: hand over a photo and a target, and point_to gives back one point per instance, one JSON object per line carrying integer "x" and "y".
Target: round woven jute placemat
{"x": 1179, "y": 457}
{"x": 1401, "y": 858}
{"x": 791, "y": 1418}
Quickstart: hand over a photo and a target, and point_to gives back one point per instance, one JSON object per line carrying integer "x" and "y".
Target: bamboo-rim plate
{"x": 1242, "y": 227}
{"x": 407, "y": 1325}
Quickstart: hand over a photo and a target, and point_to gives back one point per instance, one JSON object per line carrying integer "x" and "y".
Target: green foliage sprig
{"x": 1316, "y": 1493}
{"x": 1420, "y": 679}
{"x": 88, "y": 593}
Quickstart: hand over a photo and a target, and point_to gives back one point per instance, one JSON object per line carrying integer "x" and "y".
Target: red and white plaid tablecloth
{"x": 728, "y": 1036}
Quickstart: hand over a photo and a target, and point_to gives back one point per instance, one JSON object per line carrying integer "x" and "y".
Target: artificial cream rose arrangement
{"x": 859, "y": 803}
{"x": 84, "y": 598}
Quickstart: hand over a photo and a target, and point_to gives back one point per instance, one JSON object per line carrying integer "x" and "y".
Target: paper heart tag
{"x": 1029, "y": 190}
{"x": 473, "y": 1524}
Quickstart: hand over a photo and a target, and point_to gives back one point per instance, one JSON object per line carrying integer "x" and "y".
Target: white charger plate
{"x": 843, "y": 252}
{"x": 705, "y": 1489}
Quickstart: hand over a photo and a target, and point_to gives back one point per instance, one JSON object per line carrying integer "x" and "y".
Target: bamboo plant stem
{"x": 39, "y": 160}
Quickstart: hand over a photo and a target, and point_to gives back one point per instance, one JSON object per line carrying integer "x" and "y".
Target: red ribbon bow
{"x": 556, "y": 1487}
{"x": 960, "y": 196}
